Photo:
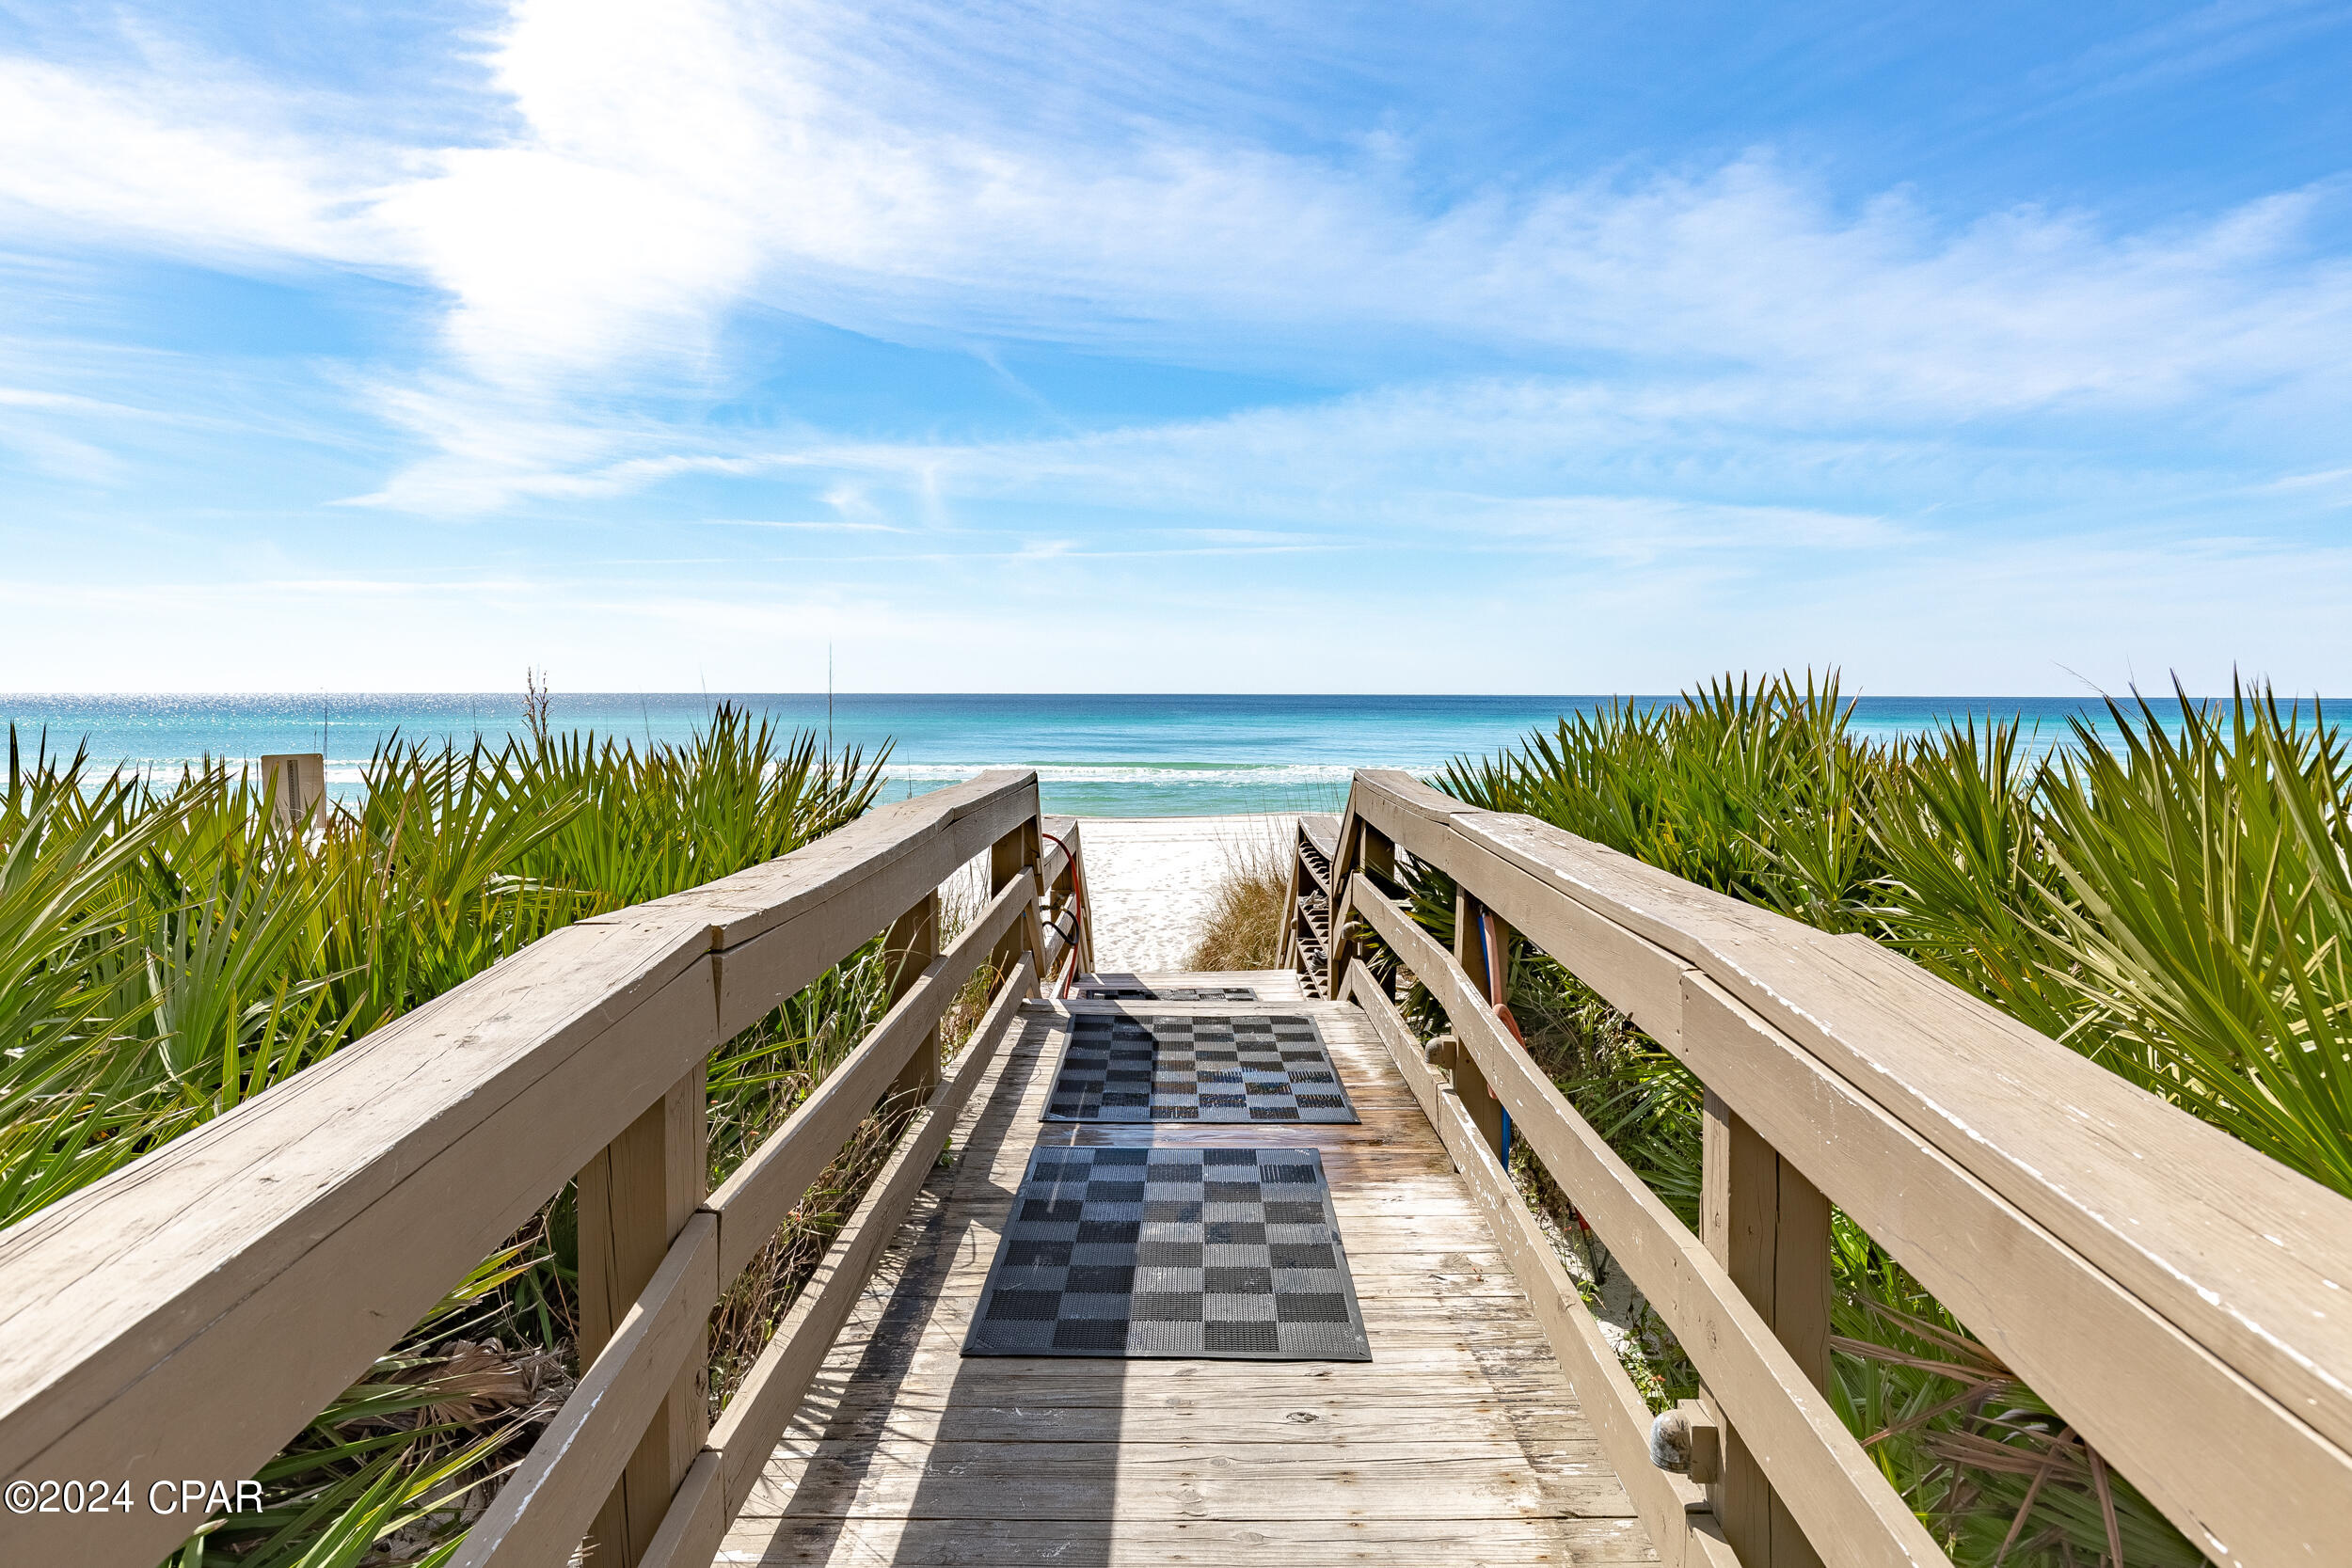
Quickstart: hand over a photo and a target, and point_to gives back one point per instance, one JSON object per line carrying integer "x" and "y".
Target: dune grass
{"x": 2175, "y": 905}
{"x": 1244, "y": 930}
{"x": 167, "y": 951}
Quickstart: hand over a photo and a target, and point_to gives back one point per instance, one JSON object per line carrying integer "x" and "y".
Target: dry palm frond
{"x": 473, "y": 1382}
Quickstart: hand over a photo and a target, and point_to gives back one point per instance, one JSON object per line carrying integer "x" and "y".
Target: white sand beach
{"x": 1152, "y": 879}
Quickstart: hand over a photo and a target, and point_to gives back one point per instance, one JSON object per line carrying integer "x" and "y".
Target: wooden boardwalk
{"x": 1459, "y": 1442}
{"x": 2146, "y": 1275}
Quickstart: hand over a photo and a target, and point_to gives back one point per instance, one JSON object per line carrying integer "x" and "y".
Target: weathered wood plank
{"x": 279, "y": 1248}
{"x": 752, "y": 1202}
{"x": 1619, "y": 1418}
{"x": 539, "y": 1516}
{"x": 777, "y": 927}
{"x": 909, "y": 949}
{"x": 1632, "y": 972}
{"x": 1517, "y": 1377}
{"x": 2224, "y": 1268}
{"x": 1850, "y": 1512}
{"x": 773, "y": 1388}
{"x": 634, "y": 1200}
{"x": 1769, "y": 1229}
{"x": 747, "y": 1430}
{"x": 319, "y": 1220}
{"x": 1478, "y": 1542}
{"x": 2091, "y": 1344}
{"x": 697, "y": 1517}
{"x": 1238, "y": 1417}
{"x": 1411, "y": 1478}
{"x": 897, "y": 1427}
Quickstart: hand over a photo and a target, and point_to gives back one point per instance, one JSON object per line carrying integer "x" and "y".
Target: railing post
{"x": 1380, "y": 860}
{"x": 634, "y": 1198}
{"x": 1011, "y": 856}
{"x": 1379, "y": 851}
{"x": 1769, "y": 1228}
{"x": 1469, "y": 1084}
{"x": 1361, "y": 847}
{"x": 907, "y": 951}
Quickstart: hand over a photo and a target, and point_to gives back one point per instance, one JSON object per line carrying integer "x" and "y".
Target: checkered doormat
{"x": 1172, "y": 994}
{"x": 1228, "y": 1254}
{"x": 1124, "y": 1066}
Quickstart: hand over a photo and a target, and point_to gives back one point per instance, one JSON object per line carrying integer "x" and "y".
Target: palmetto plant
{"x": 2204, "y": 904}
{"x": 169, "y": 951}
{"x": 2176, "y": 905}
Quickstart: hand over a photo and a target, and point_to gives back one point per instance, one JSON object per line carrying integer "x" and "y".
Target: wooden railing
{"x": 1306, "y": 904}
{"x": 2186, "y": 1301}
{"x": 187, "y": 1316}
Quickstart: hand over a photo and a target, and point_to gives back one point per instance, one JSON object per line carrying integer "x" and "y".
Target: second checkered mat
{"x": 1220, "y": 1253}
{"x": 1174, "y": 993}
{"x": 1131, "y": 1066}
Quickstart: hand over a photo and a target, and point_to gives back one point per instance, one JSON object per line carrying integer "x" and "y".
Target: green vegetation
{"x": 1245, "y": 926}
{"x": 2177, "y": 907}
{"x": 167, "y": 952}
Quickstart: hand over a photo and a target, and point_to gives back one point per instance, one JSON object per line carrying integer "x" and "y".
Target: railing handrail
{"x": 2179, "y": 1295}
{"x": 189, "y": 1313}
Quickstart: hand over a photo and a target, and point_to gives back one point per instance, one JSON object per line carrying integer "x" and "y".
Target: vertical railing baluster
{"x": 907, "y": 951}
{"x": 634, "y": 1197}
{"x": 1769, "y": 1226}
{"x": 1010, "y": 857}
{"x": 1379, "y": 853}
{"x": 1470, "y": 1083}
{"x": 1361, "y": 847}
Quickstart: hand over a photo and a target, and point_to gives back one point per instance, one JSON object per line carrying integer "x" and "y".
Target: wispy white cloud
{"x": 662, "y": 177}
{"x": 818, "y": 526}
{"x": 69, "y": 403}
{"x": 1631, "y": 471}
{"x": 2327, "y": 484}
{"x": 206, "y": 165}
{"x": 1676, "y": 374}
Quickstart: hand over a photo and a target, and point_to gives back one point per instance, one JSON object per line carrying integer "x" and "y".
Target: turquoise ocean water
{"x": 1110, "y": 755}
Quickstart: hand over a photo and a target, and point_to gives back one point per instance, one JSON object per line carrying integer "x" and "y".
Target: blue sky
{"x": 1563, "y": 347}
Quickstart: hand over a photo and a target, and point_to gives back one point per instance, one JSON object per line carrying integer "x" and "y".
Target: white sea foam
{"x": 1209, "y": 775}
{"x": 353, "y": 772}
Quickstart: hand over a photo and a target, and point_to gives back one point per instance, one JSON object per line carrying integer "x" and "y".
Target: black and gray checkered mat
{"x": 1169, "y": 993}
{"x": 1227, "y": 1253}
{"x": 1128, "y": 1067}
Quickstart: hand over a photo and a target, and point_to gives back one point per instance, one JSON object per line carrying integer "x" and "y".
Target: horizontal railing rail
{"x": 2179, "y": 1296}
{"x": 187, "y": 1316}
